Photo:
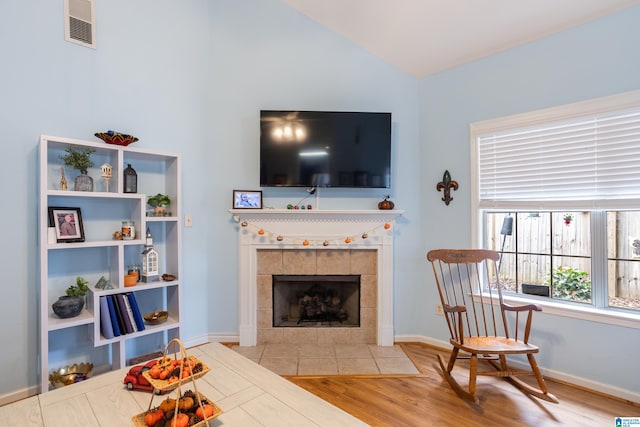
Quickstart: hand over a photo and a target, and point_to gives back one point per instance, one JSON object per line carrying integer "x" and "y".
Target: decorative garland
{"x": 310, "y": 242}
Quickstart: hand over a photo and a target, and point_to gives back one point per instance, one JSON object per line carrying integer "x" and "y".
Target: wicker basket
{"x": 163, "y": 385}
{"x": 179, "y": 354}
{"x": 138, "y": 420}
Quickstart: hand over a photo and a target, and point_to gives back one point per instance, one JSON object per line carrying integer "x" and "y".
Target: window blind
{"x": 587, "y": 159}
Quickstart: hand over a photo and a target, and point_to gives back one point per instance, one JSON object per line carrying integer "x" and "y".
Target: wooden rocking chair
{"x": 477, "y": 320}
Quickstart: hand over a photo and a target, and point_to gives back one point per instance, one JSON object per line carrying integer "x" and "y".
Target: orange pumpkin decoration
{"x": 261, "y": 232}
{"x": 347, "y": 240}
{"x": 153, "y": 417}
{"x": 305, "y": 243}
{"x": 386, "y": 204}
{"x": 180, "y": 420}
{"x": 208, "y": 411}
{"x": 387, "y": 226}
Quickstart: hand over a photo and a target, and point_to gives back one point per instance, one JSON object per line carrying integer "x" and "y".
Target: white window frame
{"x": 593, "y": 107}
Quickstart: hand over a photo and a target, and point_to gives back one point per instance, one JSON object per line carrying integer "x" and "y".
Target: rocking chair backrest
{"x": 462, "y": 275}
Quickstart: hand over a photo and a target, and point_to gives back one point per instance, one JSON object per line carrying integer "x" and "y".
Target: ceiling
{"x": 424, "y": 37}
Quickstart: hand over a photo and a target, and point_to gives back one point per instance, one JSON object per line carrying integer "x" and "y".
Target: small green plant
{"x": 78, "y": 159}
{"x": 158, "y": 200}
{"x": 79, "y": 289}
{"x": 570, "y": 284}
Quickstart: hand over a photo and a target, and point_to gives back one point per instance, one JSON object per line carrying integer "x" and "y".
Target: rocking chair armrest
{"x": 526, "y": 307}
{"x": 454, "y": 309}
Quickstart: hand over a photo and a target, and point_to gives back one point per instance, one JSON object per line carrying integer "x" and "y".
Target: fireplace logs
{"x": 326, "y": 300}
{"x": 320, "y": 305}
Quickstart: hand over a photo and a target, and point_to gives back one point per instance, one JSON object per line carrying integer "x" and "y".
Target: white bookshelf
{"x": 79, "y": 339}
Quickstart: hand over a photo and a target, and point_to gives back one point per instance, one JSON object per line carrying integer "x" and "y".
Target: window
{"x": 557, "y": 193}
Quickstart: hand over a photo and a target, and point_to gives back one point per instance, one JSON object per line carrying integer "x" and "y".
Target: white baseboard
{"x": 550, "y": 374}
{"x": 14, "y": 396}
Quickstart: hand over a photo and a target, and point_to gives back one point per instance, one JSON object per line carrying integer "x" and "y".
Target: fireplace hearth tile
{"x": 318, "y": 366}
{"x": 357, "y": 366}
{"x": 314, "y": 359}
{"x": 328, "y": 336}
{"x": 316, "y": 351}
{"x": 363, "y": 335}
{"x": 299, "y": 335}
{"x": 280, "y": 351}
{"x": 396, "y": 365}
{"x": 270, "y": 336}
{"x": 281, "y": 365}
{"x": 352, "y": 351}
{"x": 379, "y": 352}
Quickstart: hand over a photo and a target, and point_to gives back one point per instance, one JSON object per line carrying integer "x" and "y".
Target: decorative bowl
{"x": 71, "y": 374}
{"x": 156, "y": 317}
{"x": 117, "y": 138}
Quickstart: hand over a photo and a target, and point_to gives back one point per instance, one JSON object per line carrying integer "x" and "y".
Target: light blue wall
{"x": 191, "y": 77}
{"x": 597, "y": 59}
{"x": 268, "y": 56}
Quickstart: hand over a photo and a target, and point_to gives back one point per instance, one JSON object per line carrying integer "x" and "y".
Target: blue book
{"x": 105, "y": 319}
{"x": 136, "y": 311}
{"x": 125, "y": 316}
{"x": 114, "y": 318}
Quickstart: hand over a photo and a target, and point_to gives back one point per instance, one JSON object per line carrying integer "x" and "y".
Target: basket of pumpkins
{"x": 187, "y": 409}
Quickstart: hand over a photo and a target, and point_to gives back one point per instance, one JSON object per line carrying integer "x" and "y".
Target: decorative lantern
{"x": 149, "y": 260}
{"x": 130, "y": 180}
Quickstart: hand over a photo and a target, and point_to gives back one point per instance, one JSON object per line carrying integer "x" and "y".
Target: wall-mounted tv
{"x": 325, "y": 149}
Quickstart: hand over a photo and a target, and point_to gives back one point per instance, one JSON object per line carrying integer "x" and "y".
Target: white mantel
{"x": 318, "y": 230}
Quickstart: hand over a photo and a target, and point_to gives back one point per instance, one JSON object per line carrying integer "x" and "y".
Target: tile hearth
{"x": 336, "y": 359}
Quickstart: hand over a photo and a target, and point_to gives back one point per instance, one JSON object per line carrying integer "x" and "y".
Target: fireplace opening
{"x": 327, "y": 300}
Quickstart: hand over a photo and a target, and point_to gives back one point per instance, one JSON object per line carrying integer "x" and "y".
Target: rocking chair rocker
{"x": 478, "y": 321}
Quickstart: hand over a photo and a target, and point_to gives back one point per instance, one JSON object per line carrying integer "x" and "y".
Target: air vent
{"x": 79, "y": 25}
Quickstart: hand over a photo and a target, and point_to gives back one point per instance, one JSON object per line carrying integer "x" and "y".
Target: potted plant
{"x": 81, "y": 160}
{"x": 71, "y": 304}
{"x": 159, "y": 203}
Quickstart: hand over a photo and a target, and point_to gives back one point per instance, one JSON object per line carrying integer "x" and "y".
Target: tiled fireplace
{"x": 286, "y": 242}
{"x": 360, "y": 262}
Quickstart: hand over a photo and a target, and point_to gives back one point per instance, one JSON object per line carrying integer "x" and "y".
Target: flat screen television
{"x": 325, "y": 149}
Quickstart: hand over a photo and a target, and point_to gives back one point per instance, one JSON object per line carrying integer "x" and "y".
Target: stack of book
{"x": 120, "y": 315}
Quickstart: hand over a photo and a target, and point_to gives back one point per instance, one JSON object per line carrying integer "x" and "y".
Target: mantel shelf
{"x": 315, "y": 215}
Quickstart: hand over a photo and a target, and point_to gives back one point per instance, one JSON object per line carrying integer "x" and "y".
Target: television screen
{"x": 325, "y": 149}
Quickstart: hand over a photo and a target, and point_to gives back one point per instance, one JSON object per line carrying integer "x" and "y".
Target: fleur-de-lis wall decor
{"x": 447, "y": 184}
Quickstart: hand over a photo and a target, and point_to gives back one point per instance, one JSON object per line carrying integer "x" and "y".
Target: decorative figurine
{"x": 63, "y": 180}
{"x": 106, "y": 174}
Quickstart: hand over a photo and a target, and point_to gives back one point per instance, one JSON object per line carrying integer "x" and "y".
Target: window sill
{"x": 609, "y": 316}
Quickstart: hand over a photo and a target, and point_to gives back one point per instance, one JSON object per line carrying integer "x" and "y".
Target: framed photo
{"x": 68, "y": 224}
{"x": 247, "y": 199}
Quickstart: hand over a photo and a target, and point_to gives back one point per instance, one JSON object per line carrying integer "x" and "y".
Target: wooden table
{"x": 249, "y": 395}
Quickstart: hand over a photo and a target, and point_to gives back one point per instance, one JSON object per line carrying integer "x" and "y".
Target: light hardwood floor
{"x": 427, "y": 400}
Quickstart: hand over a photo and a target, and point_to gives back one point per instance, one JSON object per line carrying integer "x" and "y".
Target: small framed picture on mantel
{"x": 247, "y": 199}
